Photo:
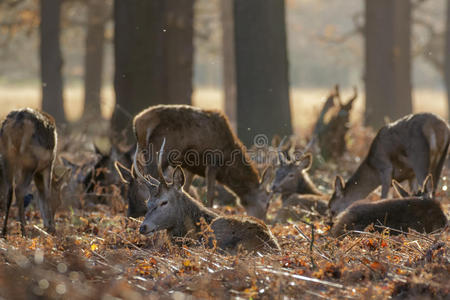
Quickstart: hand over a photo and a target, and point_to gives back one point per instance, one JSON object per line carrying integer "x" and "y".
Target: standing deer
{"x": 202, "y": 142}
{"x": 172, "y": 209}
{"x": 28, "y": 147}
{"x": 421, "y": 213}
{"x": 409, "y": 148}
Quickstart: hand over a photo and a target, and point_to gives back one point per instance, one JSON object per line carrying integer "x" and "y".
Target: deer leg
{"x": 210, "y": 175}
{"x": 420, "y": 158}
{"x": 43, "y": 181}
{"x": 8, "y": 205}
{"x": 386, "y": 179}
{"x": 19, "y": 194}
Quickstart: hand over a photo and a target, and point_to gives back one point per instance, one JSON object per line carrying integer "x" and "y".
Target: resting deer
{"x": 202, "y": 142}
{"x": 28, "y": 147}
{"x": 137, "y": 192}
{"x": 409, "y": 148}
{"x": 421, "y": 213}
{"x": 297, "y": 189}
{"x": 172, "y": 209}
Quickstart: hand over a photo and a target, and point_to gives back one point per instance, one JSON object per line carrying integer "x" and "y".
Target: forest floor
{"x": 98, "y": 253}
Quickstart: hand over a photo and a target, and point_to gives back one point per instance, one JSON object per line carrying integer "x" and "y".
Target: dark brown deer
{"x": 421, "y": 213}
{"x": 28, "y": 147}
{"x": 291, "y": 177}
{"x": 172, "y": 209}
{"x": 137, "y": 191}
{"x": 407, "y": 149}
{"x": 202, "y": 142}
{"x": 298, "y": 193}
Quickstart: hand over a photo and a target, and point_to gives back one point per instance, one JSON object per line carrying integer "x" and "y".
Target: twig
{"x": 309, "y": 240}
{"x": 300, "y": 277}
{"x": 41, "y": 230}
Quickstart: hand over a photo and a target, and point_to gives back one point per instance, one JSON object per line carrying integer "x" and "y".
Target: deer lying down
{"x": 28, "y": 146}
{"x": 292, "y": 178}
{"x": 421, "y": 213}
{"x": 137, "y": 192}
{"x": 298, "y": 193}
{"x": 409, "y": 148}
{"x": 202, "y": 142}
{"x": 297, "y": 206}
{"x": 172, "y": 209}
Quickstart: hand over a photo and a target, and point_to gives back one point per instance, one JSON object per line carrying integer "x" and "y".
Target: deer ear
{"x": 339, "y": 186}
{"x": 125, "y": 174}
{"x": 427, "y": 186}
{"x": 305, "y": 162}
{"x": 178, "y": 177}
{"x": 266, "y": 176}
{"x": 399, "y": 189}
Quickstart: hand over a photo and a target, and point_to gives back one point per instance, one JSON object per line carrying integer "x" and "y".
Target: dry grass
{"x": 305, "y": 103}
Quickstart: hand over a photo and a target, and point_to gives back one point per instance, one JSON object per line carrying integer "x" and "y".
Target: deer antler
{"x": 160, "y": 170}
{"x": 156, "y": 183}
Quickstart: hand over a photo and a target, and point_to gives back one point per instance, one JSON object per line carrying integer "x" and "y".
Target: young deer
{"x": 291, "y": 177}
{"x": 421, "y": 213}
{"x": 409, "y": 148}
{"x": 297, "y": 189}
{"x": 202, "y": 142}
{"x": 172, "y": 209}
{"x": 28, "y": 146}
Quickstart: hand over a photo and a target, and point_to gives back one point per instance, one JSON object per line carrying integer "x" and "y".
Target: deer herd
{"x": 174, "y": 143}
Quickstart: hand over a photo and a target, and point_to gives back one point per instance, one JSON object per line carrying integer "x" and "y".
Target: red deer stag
{"x": 202, "y": 142}
{"x": 409, "y": 148}
{"x": 172, "y": 209}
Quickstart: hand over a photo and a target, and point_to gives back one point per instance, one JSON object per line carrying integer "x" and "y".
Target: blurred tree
{"x": 229, "y": 68}
{"x": 153, "y": 56}
{"x": 98, "y": 13}
{"x": 262, "y": 84}
{"x": 387, "y": 61}
{"x": 447, "y": 58}
{"x": 51, "y": 60}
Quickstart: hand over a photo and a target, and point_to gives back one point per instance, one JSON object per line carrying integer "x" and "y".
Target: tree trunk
{"x": 93, "y": 62}
{"x": 447, "y": 59}
{"x": 179, "y": 50}
{"x": 51, "y": 60}
{"x": 229, "y": 67}
{"x": 262, "y": 84}
{"x": 153, "y": 56}
{"x": 388, "y": 61}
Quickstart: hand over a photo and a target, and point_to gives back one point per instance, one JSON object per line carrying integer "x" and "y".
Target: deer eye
{"x": 163, "y": 203}
{"x": 291, "y": 175}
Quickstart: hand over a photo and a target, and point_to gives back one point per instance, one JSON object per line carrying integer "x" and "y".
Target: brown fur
{"x": 187, "y": 129}
{"x": 421, "y": 213}
{"x": 409, "y": 148}
{"x": 291, "y": 178}
{"x": 173, "y": 209}
{"x": 415, "y": 213}
{"x": 28, "y": 146}
{"x": 296, "y": 206}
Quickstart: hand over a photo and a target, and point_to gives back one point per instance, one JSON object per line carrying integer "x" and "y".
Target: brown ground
{"x": 100, "y": 253}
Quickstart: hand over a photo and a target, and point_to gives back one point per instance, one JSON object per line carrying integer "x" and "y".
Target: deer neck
{"x": 307, "y": 186}
{"x": 362, "y": 182}
{"x": 193, "y": 214}
{"x": 241, "y": 177}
